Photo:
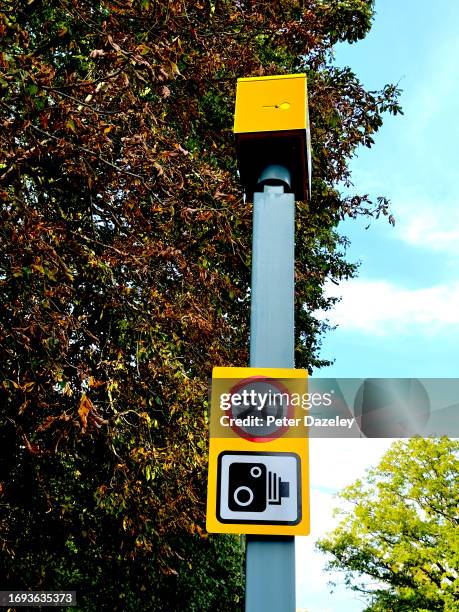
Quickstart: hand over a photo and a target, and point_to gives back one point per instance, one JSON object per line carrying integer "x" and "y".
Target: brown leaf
{"x": 181, "y": 149}
{"x": 93, "y": 382}
{"x": 23, "y": 406}
{"x": 46, "y": 423}
{"x": 96, "y": 53}
{"x": 84, "y": 409}
{"x": 33, "y": 449}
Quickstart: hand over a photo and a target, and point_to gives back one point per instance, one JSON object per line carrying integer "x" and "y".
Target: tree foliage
{"x": 398, "y": 541}
{"x": 125, "y": 266}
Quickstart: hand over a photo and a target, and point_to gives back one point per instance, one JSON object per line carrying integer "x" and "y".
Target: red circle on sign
{"x": 290, "y": 409}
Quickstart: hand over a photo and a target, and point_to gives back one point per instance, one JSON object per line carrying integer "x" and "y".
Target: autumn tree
{"x": 398, "y": 540}
{"x": 125, "y": 270}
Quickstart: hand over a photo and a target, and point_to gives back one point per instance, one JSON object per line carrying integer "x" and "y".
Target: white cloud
{"x": 432, "y": 225}
{"x": 381, "y": 307}
{"x": 336, "y": 463}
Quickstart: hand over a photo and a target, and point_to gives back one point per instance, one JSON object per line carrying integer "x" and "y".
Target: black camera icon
{"x": 252, "y": 487}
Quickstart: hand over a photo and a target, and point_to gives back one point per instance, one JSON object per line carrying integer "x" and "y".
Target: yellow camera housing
{"x": 271, "y": 125}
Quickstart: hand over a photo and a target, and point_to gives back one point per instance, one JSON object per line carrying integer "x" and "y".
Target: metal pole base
{"x": 270, "y": 574}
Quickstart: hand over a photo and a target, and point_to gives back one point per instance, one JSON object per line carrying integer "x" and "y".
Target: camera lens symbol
{"x": 255, "y": 471}
{"x": 241, "y": 493}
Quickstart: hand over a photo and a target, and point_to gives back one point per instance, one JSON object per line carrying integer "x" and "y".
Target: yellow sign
{"x": 258, "y": 478}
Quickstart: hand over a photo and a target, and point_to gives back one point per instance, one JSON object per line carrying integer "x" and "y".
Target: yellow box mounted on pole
{"x": 270, "y": 104}
{"x": 271, "y": 125}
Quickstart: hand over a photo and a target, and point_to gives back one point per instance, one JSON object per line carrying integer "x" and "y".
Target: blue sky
{"x": 400, "y": 318}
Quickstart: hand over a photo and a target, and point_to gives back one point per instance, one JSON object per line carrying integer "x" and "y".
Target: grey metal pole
{"x": 270, "y": 560}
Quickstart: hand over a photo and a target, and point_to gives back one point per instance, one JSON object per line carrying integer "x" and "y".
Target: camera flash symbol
{"x": 277, "y": 489}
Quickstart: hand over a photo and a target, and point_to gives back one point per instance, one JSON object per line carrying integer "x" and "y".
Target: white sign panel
{"x": 256, "y": 487}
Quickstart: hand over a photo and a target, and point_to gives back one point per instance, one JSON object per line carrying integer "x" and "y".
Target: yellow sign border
{"x": 300, "y": 446}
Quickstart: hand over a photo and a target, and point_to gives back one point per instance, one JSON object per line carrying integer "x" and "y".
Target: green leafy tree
{"x": 398, "y": 541}
{"x": 125, "y": 271}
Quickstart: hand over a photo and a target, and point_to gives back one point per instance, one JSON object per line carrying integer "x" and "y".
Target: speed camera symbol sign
{"x": 259, "y": 488}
